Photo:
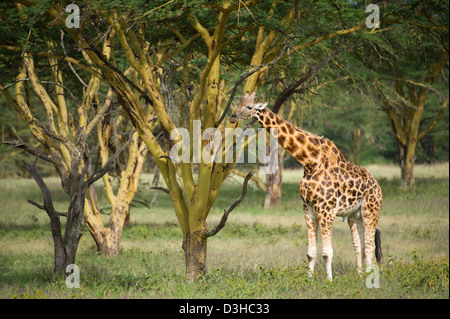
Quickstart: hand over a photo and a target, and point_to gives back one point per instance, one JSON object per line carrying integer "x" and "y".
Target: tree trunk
{"x": 60, "y": 255}
{"x": 408, "y": 171}
{"x": 65, "y": 247}
{"x": 107, "y": 239}
{"x": 111, "y": 243}
{"x": 73, "y": 231}
{"x": 274, "y": 181}
{"x": 195, "y": 247}
{"x": 407, "y": 157}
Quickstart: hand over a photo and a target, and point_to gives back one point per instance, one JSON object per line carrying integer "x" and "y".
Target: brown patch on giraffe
{"x": 291, "y": 130}
{"x": 321, "y": 190}
{"x": 335, "y": 150}
{"x": 301, "y": 156}
{"x": 281, "y": 139}
{"x": 330, "y": 194}
{"x": 314, "y": 140}
{"x": 300, "y": 137}
{"x": 327, "y": 184}
{"x": 260, "y": 118}
{"x": 313, "y": 151}
{"x": 312, "y": 185}
{"x": 291, "y": 147}
{"x": 311, "y": 148}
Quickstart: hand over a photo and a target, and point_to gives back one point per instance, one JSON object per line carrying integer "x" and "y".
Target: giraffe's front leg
{"x": 327, "y": 251}
{"x": 311, "y": 224}
{"x": 326, "y": 224}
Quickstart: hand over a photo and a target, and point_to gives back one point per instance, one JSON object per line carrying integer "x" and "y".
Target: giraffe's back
{"x": 339, "y": 187}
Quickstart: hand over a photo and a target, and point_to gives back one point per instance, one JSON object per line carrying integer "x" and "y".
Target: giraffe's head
{"x": 246, "y": 108}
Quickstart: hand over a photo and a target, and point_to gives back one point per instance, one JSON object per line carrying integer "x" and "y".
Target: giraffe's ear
{"x": 261, "y": 106}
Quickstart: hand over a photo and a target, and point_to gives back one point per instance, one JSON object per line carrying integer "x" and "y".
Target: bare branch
{"x": 227, "y": 211}
{"x": 32, "y": 202}
{"x": 293, "y": 87}
{"x": 165, "y": 190}
{"x": 48, "y": 201}
{"x": 98, "y": 174}
{"x": 118, "y": 72}
{"x": 435, "y": 121}
{"x": 70, "y": 64}
{"x": 2, "y": 88}
{"x": 29, "y": 149}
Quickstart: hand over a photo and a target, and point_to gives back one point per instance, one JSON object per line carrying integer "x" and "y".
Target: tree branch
{"x": 32, "y": 202}
{"x": 434, "y": 122}
{"x": 99, "y": 173}
{"x": 70, "y": 64}
{"x": 227, "y": 211}
{"x": 29, "y": 149}
{"x": 118, "y": 72}
{"x": 292, "y": 88}
{"x": 48, "y": 201}
{"x": 165, "y": 190}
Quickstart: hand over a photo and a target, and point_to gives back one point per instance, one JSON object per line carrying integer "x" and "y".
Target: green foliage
{"x": 428, "y": 275}
{"x": 348, "y": 102}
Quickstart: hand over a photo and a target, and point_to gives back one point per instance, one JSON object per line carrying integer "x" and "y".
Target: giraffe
{"x": 331, "y": 187}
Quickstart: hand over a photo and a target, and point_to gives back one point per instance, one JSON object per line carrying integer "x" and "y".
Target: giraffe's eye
{"x": 249, "y": 107}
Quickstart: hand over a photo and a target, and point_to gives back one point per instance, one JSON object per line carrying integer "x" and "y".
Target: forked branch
{"x": 48, "y": 201}
{"x": 227, "y": 211}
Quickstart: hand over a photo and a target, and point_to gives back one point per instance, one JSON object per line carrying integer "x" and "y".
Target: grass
{"x": 259, "y": 254}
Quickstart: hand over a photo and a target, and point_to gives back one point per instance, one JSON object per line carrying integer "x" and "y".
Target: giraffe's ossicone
{"x": 331, "y": 187}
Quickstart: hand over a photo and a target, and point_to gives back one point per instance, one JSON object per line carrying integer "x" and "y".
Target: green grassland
{"x": 259, "y": 254}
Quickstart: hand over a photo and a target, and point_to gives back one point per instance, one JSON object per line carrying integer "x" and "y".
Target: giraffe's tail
{"x": 378, "y": 254}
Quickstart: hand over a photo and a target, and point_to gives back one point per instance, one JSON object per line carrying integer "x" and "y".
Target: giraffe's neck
{"x": 305, "y": 147}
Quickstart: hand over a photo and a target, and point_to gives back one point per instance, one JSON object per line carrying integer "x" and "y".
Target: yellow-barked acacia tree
{"x": 75, "y": 124}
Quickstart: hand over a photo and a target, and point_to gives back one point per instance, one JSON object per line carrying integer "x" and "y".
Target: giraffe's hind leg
{"x": 370, "y": 222}
{"x": 356, "y": 225}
